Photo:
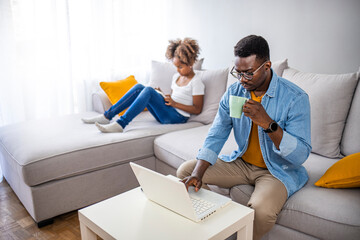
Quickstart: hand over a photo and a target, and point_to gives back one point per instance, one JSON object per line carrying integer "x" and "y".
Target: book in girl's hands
{"x": 160, "y": 92}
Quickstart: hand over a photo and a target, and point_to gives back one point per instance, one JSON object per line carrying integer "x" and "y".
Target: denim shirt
{"x": 289, "y": 106}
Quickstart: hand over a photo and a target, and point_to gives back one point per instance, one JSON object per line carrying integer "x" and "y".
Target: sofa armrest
{"x": 100, "y": 102}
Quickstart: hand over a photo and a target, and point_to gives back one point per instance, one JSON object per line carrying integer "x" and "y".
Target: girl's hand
{"x": 169, "y": 101}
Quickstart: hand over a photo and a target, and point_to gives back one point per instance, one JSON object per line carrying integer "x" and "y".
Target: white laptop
{"x": 170, "y": 192}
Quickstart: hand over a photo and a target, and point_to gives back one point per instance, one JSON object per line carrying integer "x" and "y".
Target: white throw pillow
{"x": 280, "y": 66}
{"x": 350, "y": 142}
{"x": 215, "y": 86}
{"x": 277, "y": 66}
{"x": 162, "y": 73}
{"x": 330, "y": 97}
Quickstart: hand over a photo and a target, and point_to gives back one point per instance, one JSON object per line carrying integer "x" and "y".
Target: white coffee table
{"x": 131, "y": 215}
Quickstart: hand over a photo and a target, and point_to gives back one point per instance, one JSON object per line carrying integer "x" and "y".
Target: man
{"x": 273, "y": 137}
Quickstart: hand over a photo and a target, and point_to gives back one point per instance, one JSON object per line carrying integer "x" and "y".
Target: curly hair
{"x": 251, "y": 45}
{"x": 186, "y": 50}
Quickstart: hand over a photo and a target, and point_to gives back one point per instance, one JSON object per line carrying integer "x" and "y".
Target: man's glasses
{"x": 246, "y": 75}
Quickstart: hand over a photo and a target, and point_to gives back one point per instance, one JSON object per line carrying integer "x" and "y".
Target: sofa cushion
{"x": 277, "y": 66}
{"x": 345, "y": 173}
{"x": 100, "y": 102}
{"x": 330, "y": 99}
{"x": 174, "y": 148}
{"x": 319, "y": 212}
{"x": 215, "y": 82}
{"x": 163, "y": 72}
{"x": 117, "y": 89}
{"x": 57, "y": 148}
{"x": 350, "y": 142}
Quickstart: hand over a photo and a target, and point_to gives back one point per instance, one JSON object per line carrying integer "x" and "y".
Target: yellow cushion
{"x": 115, "y": 90}
{"x": 345, "y": 173}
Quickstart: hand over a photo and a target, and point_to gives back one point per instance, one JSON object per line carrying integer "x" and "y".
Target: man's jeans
{"x": 137, "y": 99}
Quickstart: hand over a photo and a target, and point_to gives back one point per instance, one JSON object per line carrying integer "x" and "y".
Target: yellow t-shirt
{"x": 253, "y": 153}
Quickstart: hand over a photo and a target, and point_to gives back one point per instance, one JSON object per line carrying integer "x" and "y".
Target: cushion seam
{"x": 92, "y": 170}
{"x": 80, "y": 149}
{"x": 297, "y": 230}
{"x": 293, "y": 210}
{"x": 167, "y": 152}
{"x": 3, "y": 146}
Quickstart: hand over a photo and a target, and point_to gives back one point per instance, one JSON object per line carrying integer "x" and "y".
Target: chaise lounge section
{"x": 59, "y": 165}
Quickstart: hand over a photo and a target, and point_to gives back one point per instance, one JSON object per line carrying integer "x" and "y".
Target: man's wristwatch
{"x": 272, "y": 127}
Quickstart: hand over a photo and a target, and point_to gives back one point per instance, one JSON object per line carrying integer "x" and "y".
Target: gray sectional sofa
{"x": 58, "y": 165}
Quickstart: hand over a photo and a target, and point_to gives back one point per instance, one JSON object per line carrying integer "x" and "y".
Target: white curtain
{"x": 53, "y": 53}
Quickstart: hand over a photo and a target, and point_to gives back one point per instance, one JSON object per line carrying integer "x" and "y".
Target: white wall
{"x": 321, "y": 36}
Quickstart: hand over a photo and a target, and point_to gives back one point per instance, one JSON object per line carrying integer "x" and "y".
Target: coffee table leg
{"x": 86, "y": 233}
{"x": 245, "y": 233}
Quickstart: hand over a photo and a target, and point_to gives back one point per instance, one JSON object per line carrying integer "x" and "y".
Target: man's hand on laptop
{"x": 192, "y": 181}
{"x": 196, "y": 177}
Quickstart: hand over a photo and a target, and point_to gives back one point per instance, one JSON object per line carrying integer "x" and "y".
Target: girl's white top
{"x": 184, "y": 94}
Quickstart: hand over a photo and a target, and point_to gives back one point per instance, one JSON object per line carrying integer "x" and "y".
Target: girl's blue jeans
{"x": 137, "y": 99}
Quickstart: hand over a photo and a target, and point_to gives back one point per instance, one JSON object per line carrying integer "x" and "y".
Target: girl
{"x": 187, "y": 95}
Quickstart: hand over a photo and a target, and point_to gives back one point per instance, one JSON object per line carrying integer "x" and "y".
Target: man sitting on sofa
{"x": 273, "y": 137}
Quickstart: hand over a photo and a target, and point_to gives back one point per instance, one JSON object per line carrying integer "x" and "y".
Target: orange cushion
{"x": 115, "y": 90}
{"x": 345, "y": 173}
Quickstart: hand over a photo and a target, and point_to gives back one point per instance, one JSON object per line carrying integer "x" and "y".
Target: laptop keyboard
{"x": 201, "y": 205}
